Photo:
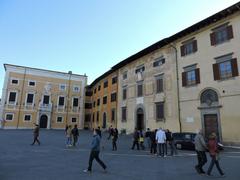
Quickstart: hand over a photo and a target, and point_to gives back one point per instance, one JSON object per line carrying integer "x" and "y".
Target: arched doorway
{"x": 210, "y": 113}
{"x": 140, "y": 119}
{"x": 43, "y": 121}
{"x": 104, "y": 123}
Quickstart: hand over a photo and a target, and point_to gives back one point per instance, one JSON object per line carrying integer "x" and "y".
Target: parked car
{"x": 184, "y": 140}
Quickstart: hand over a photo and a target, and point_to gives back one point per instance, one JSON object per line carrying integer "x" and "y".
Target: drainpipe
{"x": 69, "y": 87}
{"x": 178, "y": 96}
{"x": 21, "y": 96}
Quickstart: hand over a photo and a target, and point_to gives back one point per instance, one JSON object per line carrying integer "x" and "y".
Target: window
{"x": 105, "y": 85}
{"x": 225, "y": 69}
{"x": 45, "y": 99}
{"x": 140, "y": 89}
{"x": 105, "y": 100}
{"x": 98, "y": 116}
{"x": 59, "y": 119}
{"x": 9, "y": 117}
{"x": 94, "y": 103}
{"x": 27, "y": 117}
{"x": 93, "y": 117}
{"x": 140, "y": 69}
{"x": 221, "y": 34}
{"x": 114, "y": 80}
{"x": 88, "y": 118}
{"x": 99, "y": 87}
{"x": 88, "y": 105}
{"x": 76, "y": 88}
{"x": 31, "y": 83}
{"x": 159, "y": 84}
{"x": 61, "y": 101}
{"x": 14, "y": 81}
{"x": 95, "y": 90}
{"x": 124, "y": 93}
{"x": 124, "y": 75}
{"x": 189, "y": 47}
{"x": 30, "y": 98}
{"x": 160, "y": 111}
{"x": 113, "y": 97}
{"x": 12, "y": 97}
{"x": 75, "y": 102}
{"x": 158, "y": 62}
{"x": 98, "y": 102}
{"x": 74, "y": 120}
{"x": 113, "y": 115}
{"x": 191, "y": 75}
{"x": 88, "y": 93}
{"x": 62, "y": 87}
{"x": 124, "y": 114}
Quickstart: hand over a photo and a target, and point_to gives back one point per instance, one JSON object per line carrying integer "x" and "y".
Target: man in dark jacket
{"x": 95, "y": 150}
{"x": 135, "y": 139}
{"x": 200, "y": 147}
{"x": 35, "y": 135}
{"x": 75, "y": 134}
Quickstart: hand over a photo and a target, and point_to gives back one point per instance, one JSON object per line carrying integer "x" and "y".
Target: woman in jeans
{"x": 214, "y": 153}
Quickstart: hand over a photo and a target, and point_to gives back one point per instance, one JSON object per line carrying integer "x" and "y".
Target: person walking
{"x": 141, "y": 140}
{"x": 161, "y": 140}
{"x": 114, "y": 139}
{"x": 153, "y": 149}
{"x": 36, "y": 134}
{"x": 69, "y": 136}
{"x": 75, "y": 134}
{"x": 170, "y": 142}
{"x": 147, "y": 137}
{"x": 200, "y": 147}
{"x": 94, "y": 154}
{"x": 135, "y": 139}
{"x": 214, "y": 153}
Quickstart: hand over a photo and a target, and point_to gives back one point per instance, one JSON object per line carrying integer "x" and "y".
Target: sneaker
{"x": 86, "y": 171}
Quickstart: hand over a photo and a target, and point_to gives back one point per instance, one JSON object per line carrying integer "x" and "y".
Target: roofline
{"x": 40, "y": 69}
{"x": 195, "y": 27}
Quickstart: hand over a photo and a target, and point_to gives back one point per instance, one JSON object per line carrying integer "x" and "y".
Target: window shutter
{"x": 184, "y": 79}
{"x": 197, "y": 74}
{"x": 182, "y": 50}
{"x": 216, "y": 73}
{"x": 194, "y": 46}
{"x": 212, "y": 38}
{"x": 230, "y": 32}
{"x": 234, "y": 67}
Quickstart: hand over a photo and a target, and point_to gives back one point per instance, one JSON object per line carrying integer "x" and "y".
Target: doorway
{"x": 211, "y": 125}
{"x": 140, "y": 119}
{"x": 43, "y": 121}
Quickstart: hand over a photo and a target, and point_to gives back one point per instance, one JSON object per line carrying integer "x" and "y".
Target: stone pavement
{"x": 52, "y": 160}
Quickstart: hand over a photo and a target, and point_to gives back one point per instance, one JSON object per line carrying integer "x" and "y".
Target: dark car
{"x": 184, "y": 140}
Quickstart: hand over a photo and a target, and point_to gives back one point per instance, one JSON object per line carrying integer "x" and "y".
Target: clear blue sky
{"x": 90, "y": 36}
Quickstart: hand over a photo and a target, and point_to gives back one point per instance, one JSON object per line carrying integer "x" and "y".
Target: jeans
{"x": 161, "y": 149}
{"x": 214, "y": 161}
{"x": 35, "y": 139}
{"x": 153, "y": 149}
{"x": 75, "y": 139}
{"x": 95, "y": 155}
{"x": 69, "y": 141}
{"x": 135, "y": 142}
{"x": 202, "y": 159}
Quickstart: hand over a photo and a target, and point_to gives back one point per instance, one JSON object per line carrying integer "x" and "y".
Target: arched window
{"x": 209, "y": 96}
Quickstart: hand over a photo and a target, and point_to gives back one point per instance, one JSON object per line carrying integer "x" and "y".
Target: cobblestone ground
{"x": 52, "y": 160}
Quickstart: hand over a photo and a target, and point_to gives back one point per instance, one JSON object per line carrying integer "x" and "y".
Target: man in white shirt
{"x": 161, "y": 140}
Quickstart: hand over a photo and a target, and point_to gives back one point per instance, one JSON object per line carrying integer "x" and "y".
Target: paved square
{"x": 52, "y": 160}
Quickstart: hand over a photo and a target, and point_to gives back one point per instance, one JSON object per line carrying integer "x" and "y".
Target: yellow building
{"x": 49, "y": 98}
{"x": 104, "y": 100}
